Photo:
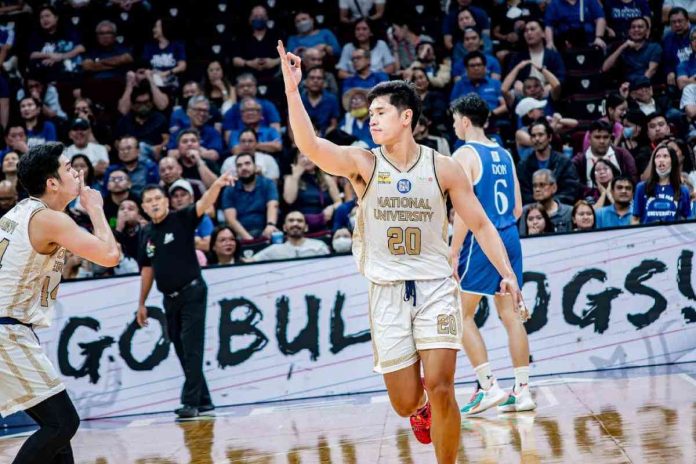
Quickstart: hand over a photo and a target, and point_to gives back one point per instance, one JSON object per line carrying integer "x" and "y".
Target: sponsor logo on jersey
{"x": 168, "y": 238}
{"x": 403, "y": 186}
{"x": 384, "y": 178}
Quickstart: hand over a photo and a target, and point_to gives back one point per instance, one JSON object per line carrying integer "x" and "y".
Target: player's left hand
{"x": 509, "y": 286}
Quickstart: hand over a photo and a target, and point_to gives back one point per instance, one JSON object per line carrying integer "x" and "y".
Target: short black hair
{"x": 678, "y": 10}
{"x": 141, "y": 89}
{"x": 38, "y": 165}
{"x": 151, "y": 187}
{"x": 314, "y": 68}
{"x": 600, "y": 125}
{"x": 473, "y": 107}
{"x": 249, "y": 130}
{"x": 473, "y": 55}
{"x": 640, "y": 18}
{"x": 246, "y": 153}
{"x": 189, "y": 131}
{"x": 622, "y": 178}
{"x": 654, "y": 115}
{"x": 541, "y": 122}
{"x": 402, "y": 94}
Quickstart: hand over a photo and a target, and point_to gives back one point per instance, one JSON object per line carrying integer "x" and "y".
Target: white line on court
{"x": 550, "y": 397}
{"x": 688, "y": 378}
{"x": 141, "y": 423}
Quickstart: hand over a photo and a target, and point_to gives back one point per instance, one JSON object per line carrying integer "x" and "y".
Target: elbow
{"x": 112, "y": 258}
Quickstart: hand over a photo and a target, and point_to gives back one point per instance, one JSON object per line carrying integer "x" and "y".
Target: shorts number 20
{"x": 404, "y": 241}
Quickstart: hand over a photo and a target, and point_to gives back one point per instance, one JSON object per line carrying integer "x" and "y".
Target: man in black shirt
{"x": 167, "y": 255}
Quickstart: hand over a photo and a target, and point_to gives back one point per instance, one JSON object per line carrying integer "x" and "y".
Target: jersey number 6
{"x": 404, "y": 241}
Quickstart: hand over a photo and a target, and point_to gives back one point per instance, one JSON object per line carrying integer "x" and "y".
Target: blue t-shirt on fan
{"x": 164, "y": 59}
{"x": 661, "y": 206}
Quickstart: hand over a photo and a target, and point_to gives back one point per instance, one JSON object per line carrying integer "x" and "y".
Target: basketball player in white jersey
{"x": 400, "y": 244}
{"x": 492, "y": 172}
{"x": 33, "y": 238}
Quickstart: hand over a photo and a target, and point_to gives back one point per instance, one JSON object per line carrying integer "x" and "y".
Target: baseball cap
{"x": 79, "y": 124}
{"x": 181, "y": 184}
{"x": 639, "y": 83}
{"x": 528, "y": 104}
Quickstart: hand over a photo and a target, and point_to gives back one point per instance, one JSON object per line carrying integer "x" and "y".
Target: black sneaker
{"x": 187, "y": 412}
{"x": 206, "y": 409}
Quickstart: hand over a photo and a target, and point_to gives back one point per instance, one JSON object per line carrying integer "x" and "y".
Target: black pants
{"x": 186, "y": 330}
{"x": 58, "y": 422}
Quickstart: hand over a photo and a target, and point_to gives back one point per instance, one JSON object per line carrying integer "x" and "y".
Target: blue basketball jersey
{"x": 495, "y": 186}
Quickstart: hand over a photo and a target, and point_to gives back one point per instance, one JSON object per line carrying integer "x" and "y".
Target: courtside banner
{"x": 299, "y": 329}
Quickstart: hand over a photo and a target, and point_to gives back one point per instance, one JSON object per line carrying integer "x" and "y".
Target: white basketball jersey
{"x": 28, "y": 280}
{"x": 401, "y": 224}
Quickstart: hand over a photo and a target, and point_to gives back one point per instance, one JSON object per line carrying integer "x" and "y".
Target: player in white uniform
{"x": 33, "y": 238}
{"x": 401, "y": 247}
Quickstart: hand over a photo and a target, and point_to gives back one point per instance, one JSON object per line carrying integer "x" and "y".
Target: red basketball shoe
{"x": 420, "y": 423}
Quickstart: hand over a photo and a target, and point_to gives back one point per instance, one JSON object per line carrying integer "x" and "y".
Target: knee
{"x": 67, "y": 427}
{"x": 509, "y": 317}
{"x": 440, "y": 388}
{"x": 405, "y": 407}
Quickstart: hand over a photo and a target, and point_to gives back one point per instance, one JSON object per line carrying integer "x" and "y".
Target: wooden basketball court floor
{"x": 637, "y": 415}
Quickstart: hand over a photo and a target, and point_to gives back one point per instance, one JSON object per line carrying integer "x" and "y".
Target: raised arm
{"x": 211, "y": 195}
{"x": 332, "y": 158}
{"x": 49, "y": 228}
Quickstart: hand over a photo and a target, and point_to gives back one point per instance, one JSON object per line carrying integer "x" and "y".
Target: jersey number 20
{"x": 404, "y": 241}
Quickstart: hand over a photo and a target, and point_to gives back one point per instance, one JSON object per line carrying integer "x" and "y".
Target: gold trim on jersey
{"x": 374, "y": 171}
{"x": 24, "y": 283}
{"x": 375, "y": 356}
{"x": 441, "y": 339}
{"x": 399, "y": 360}
{"x": 420, "y": 155}
{"x": 437, "y": 179}
{"x": 360, "y": 232}
{"x": 15, "y": 371}
{"x": 35, "y": 363}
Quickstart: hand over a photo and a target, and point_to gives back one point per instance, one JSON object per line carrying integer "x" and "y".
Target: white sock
{"x": 484, "y": 375}
{"x": 521, "y": 377}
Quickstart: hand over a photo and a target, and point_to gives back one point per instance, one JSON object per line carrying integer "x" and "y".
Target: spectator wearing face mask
{"x": 309, "y": 36}
{"x": 256, "y": 50}
{"x": 356, "y": 121}
{"x": 662, "y": 198}
{"x": 342, "y": 241}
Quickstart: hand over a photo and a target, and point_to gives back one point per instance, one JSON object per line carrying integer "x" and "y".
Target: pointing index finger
{"x": 281, "y": 50}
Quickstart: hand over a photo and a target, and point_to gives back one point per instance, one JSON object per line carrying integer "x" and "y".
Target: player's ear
{"x": 407, "y": 116}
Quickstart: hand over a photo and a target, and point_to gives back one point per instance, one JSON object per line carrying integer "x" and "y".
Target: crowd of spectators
{"x": 596, "y": 99}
